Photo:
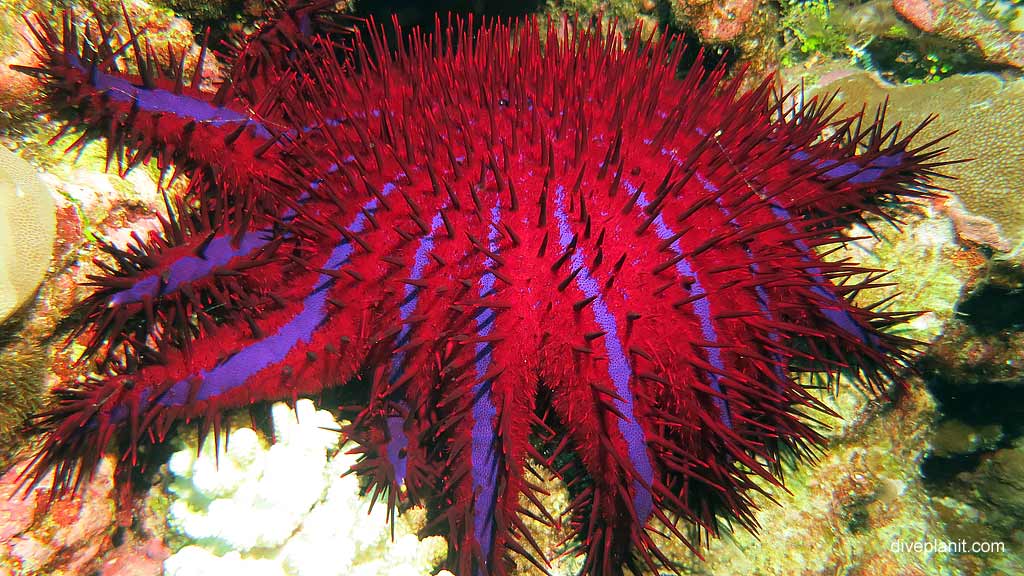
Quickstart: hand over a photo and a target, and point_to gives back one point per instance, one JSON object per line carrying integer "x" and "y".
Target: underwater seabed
{"x": 899, "y": 489}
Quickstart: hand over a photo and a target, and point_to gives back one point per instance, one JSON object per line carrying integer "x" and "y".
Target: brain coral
{"x": 987, "y": 116}
{"x": 27, "y": 227}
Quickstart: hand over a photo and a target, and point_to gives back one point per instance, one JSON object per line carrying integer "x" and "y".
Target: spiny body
{"x": 515, "y": 249}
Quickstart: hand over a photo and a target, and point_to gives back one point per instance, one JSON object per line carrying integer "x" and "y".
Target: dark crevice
{"x": 971, "y": 373}
{"x": 223, "y": 19}
{"x": 993, "y": 309}
{"x": 989, "y": 403}
{"x": 939, "y": 471}
{"x": 976, "y": 406}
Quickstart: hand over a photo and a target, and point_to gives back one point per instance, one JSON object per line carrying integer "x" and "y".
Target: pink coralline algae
{"x": 717, "y": 20}
{"x": 69, "y": 540}
{"x": 922, "y": 13}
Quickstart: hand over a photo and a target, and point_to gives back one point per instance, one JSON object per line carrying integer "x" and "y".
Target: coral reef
{"x": 745, "y": 30}
{"x": 863, "y": 496}
{"x": 986, "y": 505}
{"x": 998, "y": 487}
{"x": 983, "y": 114}
{"x": 285, "y": 509}
{"x": 866, "y": 486}
{"x": 976, "y": 374}
{"x": 18, "y": 92}
{"x": 999, "y": 37}
{"x": 23, "y": 370}
{"x": 715, "y": 20}
{"x": 142, "y": 558}
{"x": 72, "y": 536}
{"x": 185, "y": 326}
{"x": 953, "y": 437}
{"x": 861, "y": 499}
{"x": 811, "y": 29}
{"x": 871, "y": 35}
{"x": 624, "y": 13}
{"x": 27, "y": 233}
{"x": 972, "y": 358}
{"x": 88, "y": 203}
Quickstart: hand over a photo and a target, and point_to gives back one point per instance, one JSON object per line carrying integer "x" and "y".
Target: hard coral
{"x": 27, "y": 225}
{"x": 67, "y": 542}
{"x": 842, "y": 515}
{"x": 746, "y": 30}
{"x": 921, "y": 253}
{"x": 285, "y": 509}
{"x": 985, "y": 115}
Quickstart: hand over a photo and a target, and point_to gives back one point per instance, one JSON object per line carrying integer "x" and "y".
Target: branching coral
{"x": 285, "y": 509}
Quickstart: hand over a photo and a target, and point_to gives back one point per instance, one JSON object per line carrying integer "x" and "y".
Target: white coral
{"x": 285, "y": 510}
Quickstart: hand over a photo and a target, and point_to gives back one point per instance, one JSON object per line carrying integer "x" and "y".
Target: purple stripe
{"x": 762, "y": 294}
{"x": 485, "y": 453}
{"x": 219, "y": 252}
{"x": 755, "y": 270}
{"x": 870, "y": 172}
{"x": 619, "y": 369}
{"x": 159, "y": 100}
{"x": 840, "y": 317}
{"x": 701, "y": 307}
{"x": 241, "y": 366}
{"x": 398, "y": 440}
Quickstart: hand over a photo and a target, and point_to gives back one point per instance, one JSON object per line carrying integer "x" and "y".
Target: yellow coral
{"x": 27, "y": 227}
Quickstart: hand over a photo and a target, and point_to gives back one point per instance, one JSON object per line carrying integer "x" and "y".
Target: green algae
{"x": 624, "y": 13}
{"x": 924, "y": 274}
{"x": 23, "y": 369}
{"x": 811, "y": 27}
{"x": 872, "y": 36}
{"x": 861, "y": 496}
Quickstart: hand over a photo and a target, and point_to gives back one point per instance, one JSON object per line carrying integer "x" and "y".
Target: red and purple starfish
{"x": 510, "y": 248}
